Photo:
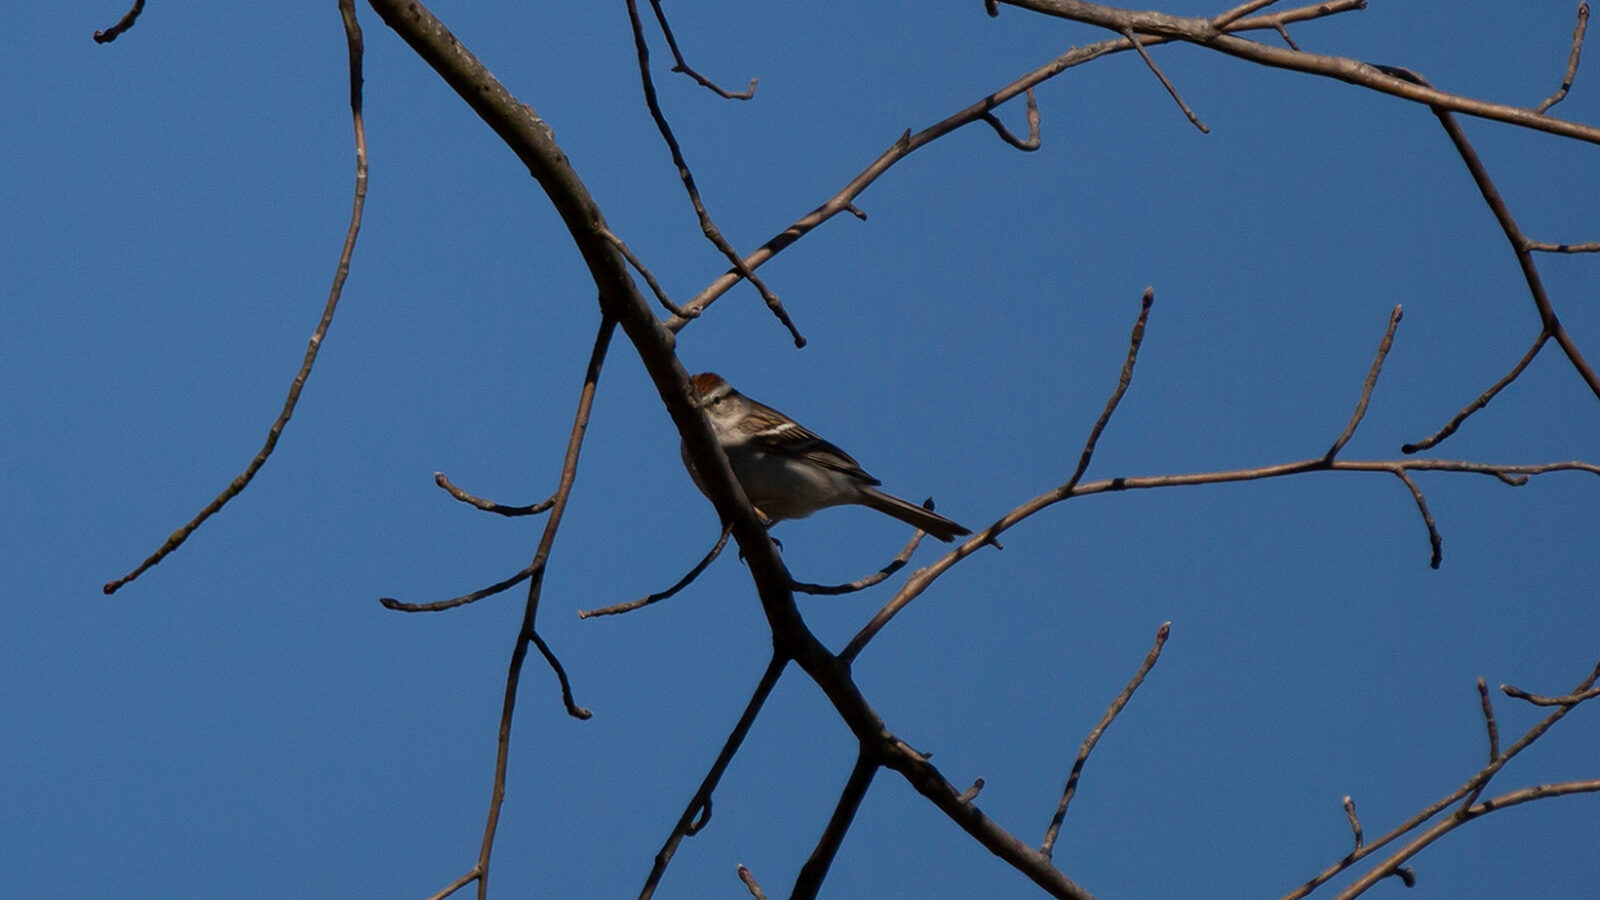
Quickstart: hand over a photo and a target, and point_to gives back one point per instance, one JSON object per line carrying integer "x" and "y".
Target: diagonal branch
{"x": 1202, "y": 32}
{"x": 1572, "y": 60}
{"x": 648, "y": 599}
{"x": 531, "y": 509}
{"x": 1165, "y": 82}
{"x": 1366, "y": 388}
{"x": 708, "y": 227}
{"x": 680, "y": 66}
{"x": 809, "y": 882}
{"x": 698, "y": 812}
{"x": 354, "y": 44}
{"x": 908, "y": 143}
{"x": 1115, "y": 709}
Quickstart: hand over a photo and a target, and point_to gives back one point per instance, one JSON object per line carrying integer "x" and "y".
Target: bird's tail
{"x": 911, "y": 514}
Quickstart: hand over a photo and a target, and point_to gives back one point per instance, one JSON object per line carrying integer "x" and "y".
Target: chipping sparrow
{"x": 790, "y": 473}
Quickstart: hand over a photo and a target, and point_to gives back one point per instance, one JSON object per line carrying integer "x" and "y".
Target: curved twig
{"x": 123, "y": 24}
{"x": 1027, "y": 146}
{"x": 679, "y": 65}
{"x": 175, "y": 540}
{"x": 708, "y": 227}
{"x": 895, "y": 565}
{"x": 441, "y": 605}
{"x": 1482, "y": 401}
{"x": 1572, "y": 60}
{"x": 908, "y": 143}
{"x": 682, "y": 583}
{"x": 1048, "y": 846}
{"x": 489, "y": 505}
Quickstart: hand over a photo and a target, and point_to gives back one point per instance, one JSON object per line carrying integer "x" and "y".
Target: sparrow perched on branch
{"x": 790, "y": 473}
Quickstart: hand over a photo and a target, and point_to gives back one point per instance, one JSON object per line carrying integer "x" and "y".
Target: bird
{"x": 787, "y": 471}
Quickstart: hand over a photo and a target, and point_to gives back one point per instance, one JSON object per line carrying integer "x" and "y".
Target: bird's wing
{"x": 776, "y": 433}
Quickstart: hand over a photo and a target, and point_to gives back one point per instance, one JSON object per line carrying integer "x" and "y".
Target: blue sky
{"x": 246, "y": 721}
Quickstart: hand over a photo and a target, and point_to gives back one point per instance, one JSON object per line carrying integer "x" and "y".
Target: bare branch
{"x": 1569, "y": 700}
{"x": 680, "y": 66}
{"x": 1240, "y": 11}
{"x": 464, "y": 599}
{"x": 1355, "y": 822}
{"x": 1393, "y": 865}
{"x": 744, "y": 873}
{"x": 1366, "y": 388}
{"x": 1475, "y": 783}
{"x": 707, "y": 226}
{"x": 123, "y": 24}
{"x": 1519, "y": 241}
{"x": 1178, "y": 98}
{"x": 1572, "y": 60}
{"x": 1482, "y": 401}
{"x": 1488, "y": 720}
{"x": 573, "y": 709}
{"x": 682, "y": 583}
{"x": 895, "y": 565}
{"x": 489, "y": 505}
{"x": 1434, "y": 540}
{"x": 1048, "y": 847}
{"x": 908, "y": 143}
{"x": 1029, "y": 145}
{"x": 1378, "y": 78}
{"x": 809, "y": 882}
{"x": 655, "y": 286}
{"x": 354, "y": 45}
{"x": 1547, "y": 247}
{"x": 698, "y": 812}
{"x": 971, "y": 793}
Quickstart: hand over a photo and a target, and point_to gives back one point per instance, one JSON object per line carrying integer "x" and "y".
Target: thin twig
{"x": 908, "y": 143}
{"x": 1513, "y": 232}
{"x": 971, "y": 793}
{"x": 1355, "y": 823}
{"x": 1572, "y": 60}
{"x": 707, "y": 226}
{"x": 123, "y": 24}
{"x": 1027, "y": 146}
{"x": 489, "y": 505}
{"x": 1475, "y": 783}
{"x": 1482, "y": 401}
{"x": 1393, "y": 865}
{"x": 527, "y": 634}
{"x": 464, "y": 599}
{"x": 1178, "y": 98}
{"x": 679, "y": 65}
{"x": 1434, "y": 540}
{"x": 1284, "y": 33}
{"x": 354, "y": 45}
{"x": 744, "y": 873}
{"x": 1048, "y": 847}
{"x": 1572, "y": 699}
{"x": 911, "y": 588}
{"x": 809, "y": 881}
{"x": 1548, "y": 247}
{"x": 1488, "y": 720}
{"x": 682, "y": 583}
{"x": 895, "y": 565}
{"x": 699, "y": 807}
{"x": 1200, "y": 31}
{"x": 1240, "y": 11}
{"x": 639, "y": 266}
{"x": 573, "y": 709}
{"x": 1366, "y": 388}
